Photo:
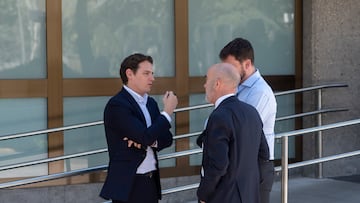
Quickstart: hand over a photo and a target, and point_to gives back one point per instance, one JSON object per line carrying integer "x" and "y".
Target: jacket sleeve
{"x": 264, "y": 153}
{"x": 122, "y": 117}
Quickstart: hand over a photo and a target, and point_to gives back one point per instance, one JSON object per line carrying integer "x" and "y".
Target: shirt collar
{"x": 222, "y": 98}
{"x": 252, "y": 79}
{"x": 138, "y": 98}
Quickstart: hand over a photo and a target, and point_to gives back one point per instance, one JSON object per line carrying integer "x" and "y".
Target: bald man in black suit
{"x": 233, "y": 142}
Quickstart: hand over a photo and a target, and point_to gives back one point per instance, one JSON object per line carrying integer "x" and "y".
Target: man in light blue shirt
{"x": 254, "y": 90}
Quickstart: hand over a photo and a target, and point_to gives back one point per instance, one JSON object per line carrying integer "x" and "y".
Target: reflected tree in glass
{"x": 97, "y": 35}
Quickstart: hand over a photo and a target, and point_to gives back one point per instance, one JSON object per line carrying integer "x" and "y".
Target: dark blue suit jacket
{"x": 124, "y": 118}
{"x": 233, "y": 143}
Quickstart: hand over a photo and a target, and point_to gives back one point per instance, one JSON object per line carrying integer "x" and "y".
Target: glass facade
{"x": 97, "y": 35}
{"x": 268, "y": 25}
{"x": 22, "y": 39}
{"x": 197, "y": 124}
{"x": 20, "y": 116}
{"x": 82, "y": 110}
{"x": 285, "y": 104}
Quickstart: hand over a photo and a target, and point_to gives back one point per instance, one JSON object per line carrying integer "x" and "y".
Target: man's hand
{"x": 130, "y": 143}
{"x": 170, "y": 102}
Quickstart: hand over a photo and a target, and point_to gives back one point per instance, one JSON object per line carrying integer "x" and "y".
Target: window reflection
{"x": 97, "y": 35}
{"x": 213, "y": 24}
{"x": 19, "y": 116}
{"x": 22, "y": 39}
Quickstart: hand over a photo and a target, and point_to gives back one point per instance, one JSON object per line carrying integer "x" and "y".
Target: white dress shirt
{"x": 149, "y": 163}
{"x": 256, "y": 92}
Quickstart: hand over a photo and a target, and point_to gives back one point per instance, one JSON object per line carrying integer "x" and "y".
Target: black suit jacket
{"x": 233, "y": 142}
{"x": 124, "y": 118}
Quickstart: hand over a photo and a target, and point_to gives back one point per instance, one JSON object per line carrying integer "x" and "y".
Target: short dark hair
{"x": 240, "y": 48}
{"x": 132, "y": 62}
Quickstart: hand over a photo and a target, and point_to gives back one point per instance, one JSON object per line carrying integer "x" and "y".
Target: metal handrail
{"x": 178, "y": 154}
{"x": 320, "y": 160}
{"x": 48, "y": 160}
{"x": 318, "y": 128}
{"x": 179, "y": 189}
{"x": 51, "y": 177}
{"x": 30, "y": 163}
{"x": 285, "y": 153}
{"x": 38, "y": 132}
{"x": 183, "y": 153}
{"x": 277, "y": 169}
{"x": 277, "y": 119}
{"x": 310, "y": 113}
{"x": 284, "y": 137}
{"x": 201, "y": 106}
{"x": 299, "y": 164}
{"x": 83, "y": 125}
{"x": 87, "y": 170}
{"x": 51, "y": 130}
{"x": 305, "y": 89}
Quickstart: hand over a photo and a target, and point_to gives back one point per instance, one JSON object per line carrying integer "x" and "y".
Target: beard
{"x": 242, "y": 75}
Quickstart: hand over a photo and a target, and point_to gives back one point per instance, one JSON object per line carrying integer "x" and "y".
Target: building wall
{"x": 331, "y": 54}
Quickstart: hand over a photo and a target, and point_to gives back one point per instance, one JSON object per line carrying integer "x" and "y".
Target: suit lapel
{"x": 152, "y": 109}
{"x": 135, "y": 105}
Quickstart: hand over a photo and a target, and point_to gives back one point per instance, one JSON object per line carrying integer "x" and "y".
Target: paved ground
{"x": 310, "y": 190}
{"x": 339, "y": 190}
{"x": 301, "y": 190}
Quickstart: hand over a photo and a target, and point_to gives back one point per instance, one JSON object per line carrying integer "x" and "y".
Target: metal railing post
{"x": 284, "y": 169}
{"x": 319, "y": 134}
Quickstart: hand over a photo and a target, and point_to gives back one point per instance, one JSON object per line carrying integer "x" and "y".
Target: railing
{"x": 284, "y": 136}
{"x": 285, "y": 153}
{"x": 71, "y": 127}
{"x": 41, "y": 161}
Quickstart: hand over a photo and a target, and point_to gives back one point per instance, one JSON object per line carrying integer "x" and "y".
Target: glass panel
{"x": 22, "y": 39}
{"x": 18, "y": 116}
{"x": 197, "y": 124}
{"x": 268, "y": 25}
{"x": 98, "y": 34}
{"x": 286, "y": 104}
{"x": 82, "y": 110}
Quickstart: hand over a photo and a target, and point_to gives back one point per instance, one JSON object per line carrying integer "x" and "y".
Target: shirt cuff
{"x": 166, "y": 116}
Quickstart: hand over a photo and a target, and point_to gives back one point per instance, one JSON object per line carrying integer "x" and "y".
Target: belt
{"x": 148, "y": 174}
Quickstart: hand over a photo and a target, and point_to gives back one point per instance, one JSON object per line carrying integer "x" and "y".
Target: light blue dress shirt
{"x": 256, "y": 92}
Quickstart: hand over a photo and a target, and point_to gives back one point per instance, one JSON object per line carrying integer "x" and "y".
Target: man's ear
{"x": 217, "y": 83}
{"x": 247, "y": 63}
{"x": 129, "y": 73}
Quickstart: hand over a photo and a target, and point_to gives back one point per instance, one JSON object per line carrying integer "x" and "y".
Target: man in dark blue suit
{"x": 233, "y": 142}
{"x": 135, "y": 130}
